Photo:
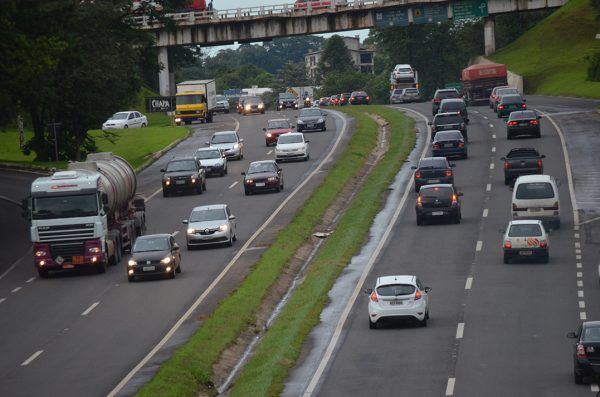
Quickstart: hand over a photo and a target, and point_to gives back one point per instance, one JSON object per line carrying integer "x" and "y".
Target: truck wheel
{"x": 43, "y": 273}
{"x": 178, "y": 270}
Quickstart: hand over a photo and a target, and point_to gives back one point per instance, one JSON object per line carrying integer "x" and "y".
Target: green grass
{"x": 192, "y": 363}
{"x": 280, "y": 348}
{"x": 551, "y": 56}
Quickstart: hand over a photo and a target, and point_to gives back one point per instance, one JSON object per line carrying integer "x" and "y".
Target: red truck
{"x": 479, "y": 80}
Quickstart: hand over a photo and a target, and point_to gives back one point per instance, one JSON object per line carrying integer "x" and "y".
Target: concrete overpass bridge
{"x": 253, "y": 24}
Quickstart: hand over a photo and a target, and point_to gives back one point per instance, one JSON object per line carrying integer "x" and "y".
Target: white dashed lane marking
{"x": 89, "y": 309}
{"x": 492, "y": 166}
{"x": 450, "y": 386}
{"x": 2, "y": 300}
{"x": 579, "y": 283}
{"x": 16, "y": 290}
{"x": 493, "y": 136}
{"x": 494, "y": 149}
{"x": 580, "y": 294}
{"x": 485, "y": 213}
{"x": 30, "y": 280}
{"x": 579, "y": 274}
{"x": 479, "y": 245}
{"x": 491, "y": 125}
{"x": 488, "y": 187}
{"x": 579, "y": 265}
{"x": 269, "y": 152}
{"x": 31, "y": 358}
{"x": 581, "y": 304}
{"x": 460, "y": 330}
{"x": 469, "y": 283}
{"x": 582, "y": 316}
{"x": 233, "y": 184}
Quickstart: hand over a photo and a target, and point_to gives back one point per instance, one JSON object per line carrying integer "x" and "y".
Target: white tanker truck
{"x": 86, "y": 216}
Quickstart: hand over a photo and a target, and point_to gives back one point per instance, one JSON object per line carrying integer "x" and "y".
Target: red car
{"x": 334, "y": 100}
{"x": 275, "y": 128}
{"x": 345, "y": 98}
{"x": 303, "y": 4}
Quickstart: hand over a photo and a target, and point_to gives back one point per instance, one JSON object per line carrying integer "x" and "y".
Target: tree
{"x": 293, "y": 75}
{"x": 335, "y": 56}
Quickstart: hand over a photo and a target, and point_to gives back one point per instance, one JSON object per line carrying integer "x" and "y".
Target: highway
{"x": 495, "y": 329}
{"x": 80, "y": 334}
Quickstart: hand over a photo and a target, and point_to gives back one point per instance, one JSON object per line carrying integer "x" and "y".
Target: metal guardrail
{"x": 216, "y": 16}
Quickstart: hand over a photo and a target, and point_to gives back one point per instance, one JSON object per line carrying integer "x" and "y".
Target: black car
{"x": 523, "y": 122}
{"x": 262, "y": 176}
{"x": 183, "y": 174}
{"x": 448, "y": 121}
{"x": 433, "y": 170}
{"x": 522, "y": 161}
{"x": 586, "y": 355}
{"x": 449, "y": 144}
{"x": 154, "y": 255}
{"x": 253, "y": 104}
{"x": 287, "y": 101}
{"x": 455, "y": 105}
{"x": 311, "y": 119}
{"x": 438, "y": 202}
{"x": 443, "y": 93}
{"x": 359, "y": 98}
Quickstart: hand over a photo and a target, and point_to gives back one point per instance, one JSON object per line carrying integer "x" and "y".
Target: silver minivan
{"x": 536, "y": 197}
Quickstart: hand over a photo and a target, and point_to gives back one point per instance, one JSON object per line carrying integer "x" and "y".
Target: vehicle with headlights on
{"x": 263, "y": 176}
{"x": 253, "y": 104}
{"x": 182, "y": 174}
{"x": 275, "y": 128}
{"x": 154, "y": 255}
{"x": 438, "y": 202}
{"x": 526, "y": 239}
{"x": 397, "y": 298}
{"x": 433, "y": 170}
{"x": 229, "y": 143}
{"x": 311, "y": 119}
{"x": 449, "y": 144}
{"x": 292, "y": 146}
{"x": 586, "y": 351}
{"x": 212, "y": 160}
{"x": 210, "y": 224}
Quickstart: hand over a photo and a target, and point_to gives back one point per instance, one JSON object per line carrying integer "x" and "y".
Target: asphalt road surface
{"x": 495, "y": 329}
{"x": 79, "y": 334}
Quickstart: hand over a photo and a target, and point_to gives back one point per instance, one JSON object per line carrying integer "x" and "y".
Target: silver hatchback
{"x": 210, "y": 224}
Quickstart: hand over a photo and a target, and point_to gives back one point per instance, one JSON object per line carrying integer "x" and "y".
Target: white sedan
{"x": 130, "y": 119}
{"x": 526, "y": 239}
{"x": 292, "y": 146}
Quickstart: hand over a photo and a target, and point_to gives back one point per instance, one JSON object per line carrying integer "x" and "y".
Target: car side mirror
{"x": 104, "y": 198}
{"x": 427, "y": 289}
{"x": 162, "y": 170}
{"x": 296, "y": 117}
{"x": 539, "y": 117}
{"x": 25, "y": 204}
{"x": 543, "y": 156}
{"x": 501, "y": 231}
{"x": 185, "y": 221}
{"x": 467, "y": 121}
{"x": 524, "y": 100}
{"x": 243, "y": 173}
{"x": 264, "y": 129}
{"x": 241, "y": 140}
{"x": 368, "y": 291}
{"x": 231, "y": 217}
{"x": 207, "y": 143}
{"x": 175, "y": 247}
{"x": 558, "y": 182}
{"x": 307, "y": 141}
{"x": 572, "y": 335}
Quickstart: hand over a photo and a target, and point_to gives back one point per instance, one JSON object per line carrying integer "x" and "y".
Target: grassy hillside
{"x": 551, "y": 56}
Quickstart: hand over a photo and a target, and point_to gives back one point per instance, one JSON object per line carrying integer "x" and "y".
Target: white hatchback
{"x": 536, "y": 197}
{"x": 526, "y": 239}
{"x": 292, "y": 146}
{"x": 131, "y": 119}
{"x": 398, "y": 297}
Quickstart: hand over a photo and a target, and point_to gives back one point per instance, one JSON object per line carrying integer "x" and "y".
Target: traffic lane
{"x": 440, "y": 254}
{"x": 124, "y": 302}
{"x": 517, "y": 315}
{"x": 15, "y": 185}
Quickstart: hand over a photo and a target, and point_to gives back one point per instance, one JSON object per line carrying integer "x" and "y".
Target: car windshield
{"x": 524, "y": 115}
{"x": 524, "y": 152}
{"x": 220, "y": 98}
{"x": 224, "y": 138}
{"x": 310, "y": 113}
{"x": 64, "y": 206}
{"x": 447, "y": 94}
{"x": 359, "y": 93}
{"x": 525, "y": 231}
{"x": 448, "y": 119}
{"x": 119, "y": 116}
{"x": 511, "y": 99}
{"x": 287, "y": 96}
{"x": 505, "y": 91}
{"x": 591, "y": 334}
{"x": 433, "y": 163}
{"x": 404, "y": 70}
{"x": 277, "y": 124}
{"x": 252, "y": 100}
{"x": 183, "y": 165}
{"x": 257, "y": 168}
{"x": 189, "y": 99}
{"x": 147, "y": 244}
{"x": 397, "y": 92}
{"x": 534, "y": 190}
{"x": 411, "y": 91}
{"x": 436, "y": 192}
{"x": 453, "y": 106}
{"x": 208, "y": 154}
{"x": 207, "y": 215}
{"x": 290, "y": 138}
{"x": 448, "y": 136}
{"x": 395, "y": 290}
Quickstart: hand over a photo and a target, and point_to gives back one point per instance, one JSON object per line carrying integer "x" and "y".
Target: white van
{"x": 536, "y": 197}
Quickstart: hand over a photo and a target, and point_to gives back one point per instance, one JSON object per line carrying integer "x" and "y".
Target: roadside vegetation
{"x": 554, "y": 57}
{"x": 192, "y": 363}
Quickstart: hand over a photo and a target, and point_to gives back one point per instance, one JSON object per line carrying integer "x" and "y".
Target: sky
{"x": 232, "y": 4}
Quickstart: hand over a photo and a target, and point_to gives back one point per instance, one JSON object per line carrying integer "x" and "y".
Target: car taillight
{"x": 540, "y": 163}
{"x": 437, "y": 100}
{"x": 417, "y": 175}
{"x": 507, "y": 244}
{"x": 419, "y": 200}
{"x": 374, "y": 297}
{"x": 461, "y": 145}
{"x": 448, "y": 172}
{"x": 524, "y": 106}
{"x": 515, "y": 208}
{"x": 436, "y": 146}
{"x": 352, "y": 98}
{"x": 454, "y": 198}
{"x": 418, "y": 295}
{"x": 506, "y": 165}
{"x": 368, "y": 98}
{"x": 543, "y": 244}
{"x": 533, "y": 122}
{"x": 555, "y": 206}
{"x": 500, "y": 106}
{"x": 581, "y": 351}
{"x": 512, "y": 123}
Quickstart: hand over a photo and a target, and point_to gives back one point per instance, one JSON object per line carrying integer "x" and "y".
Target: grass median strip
{"x": 192, "y": 363}
{"x": 266, "y": 371}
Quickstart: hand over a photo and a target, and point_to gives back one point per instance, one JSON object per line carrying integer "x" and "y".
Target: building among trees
{"x": 361, "y": 56}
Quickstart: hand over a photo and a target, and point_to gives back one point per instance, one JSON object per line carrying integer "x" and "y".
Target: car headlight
{"x": 236, "y": 146}
{"x": 320, "y": 121}
{"x": 191, "y": 231}
{"x": 248, "y": 107}
{"x": 131, "y": 263}
{"x": 223, "y": 228}
{"x": 260, "y": 105}
{"x": 300, "y": 121}
{"x": 178, "y": 119}
{"x": 249, "y": 181}
{"x": 166, "y": 260}
{"x": 269, "y": 135}
{"x": 168, "y": 181}
{"x": 272, "y": 179}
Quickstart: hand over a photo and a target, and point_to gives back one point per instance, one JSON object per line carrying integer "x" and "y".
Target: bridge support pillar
{"x": 489, "y": 36}
{"x": 166, "y": 76}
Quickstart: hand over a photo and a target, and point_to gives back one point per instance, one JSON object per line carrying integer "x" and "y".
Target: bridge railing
{"x": 309, "y": 8}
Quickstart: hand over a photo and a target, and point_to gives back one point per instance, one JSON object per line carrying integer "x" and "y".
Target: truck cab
{"x": 195, "y": 101}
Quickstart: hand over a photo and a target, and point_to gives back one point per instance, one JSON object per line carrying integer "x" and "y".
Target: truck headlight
{"x": 178, "y": 119}
{"x": 40, "y": 253}
{"x": 94, "y": 250}
{"x": 131, "y": 263}
{"x": 248, "y": 107}
{"x": 166, "y": 260}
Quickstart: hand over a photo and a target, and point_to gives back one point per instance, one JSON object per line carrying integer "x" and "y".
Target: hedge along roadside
{"x": 191, "y": 365}
{"x": 280, "y": 348}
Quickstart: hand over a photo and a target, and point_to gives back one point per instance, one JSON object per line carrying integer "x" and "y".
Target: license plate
{"x": 149, "y": 268}
{"x": 260, "y": 185}
{"x": 437, "y": 213}
{"x": 433, "y": 181}
{"x": 523, "y": 124}
{"x": 180, "y": 182}
{"x": 68, "y": 266}
{"x": 525, "y": 252}
{"x": 535, "y": 209}
{"x": 448, "y": 145}
{"x": 396, "y": 303}
{"x": 78, "y": 260}
{"x": 311, "y": 126}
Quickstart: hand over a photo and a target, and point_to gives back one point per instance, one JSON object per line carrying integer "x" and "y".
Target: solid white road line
{"x": 469, "y": 283}
{"x": 460, "y": 330}
{"x": 450, "y": 386}
{"x": 580, "y": 294}
{"x": 16, "y": 290}
{"x": 30, "y": 280}
{"x": 89, "y": 309}
{"x": 582, "y": 316}
{"x": 232, "y": 262}
{"x": 233, "y": 184}
{"x": 568, "y": 168}
{"x": 237, "y": 123}
{"x": 581, "y": 304}
{"x": 488, "y": 187}
{"x": 2, "y": 300}
{"x": 366, "y": 270}
{"x": 479, "y": 246}
{"x": 269, "y": 152}
{"x": 154, "y": 194}
{"x": 485, "y": 212}
{"x": 30, "y": 359}
{"x": 492, "y": 166}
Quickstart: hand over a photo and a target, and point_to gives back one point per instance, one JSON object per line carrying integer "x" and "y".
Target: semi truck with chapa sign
{"x": 86, "y": 216}
{"x": 479, "y": 80}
